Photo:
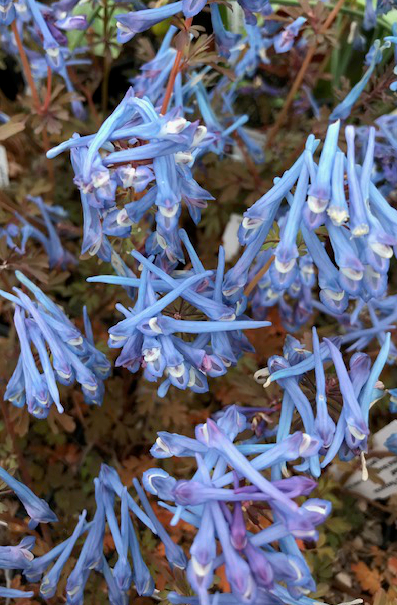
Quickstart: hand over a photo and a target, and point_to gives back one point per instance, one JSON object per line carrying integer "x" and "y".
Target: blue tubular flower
{"x": 351, "y": 268}
{"x": 337, "y": 209}
{"x": 158, "y": 482}
{"x": 368, "y": 165}
{"x": 236, "y": 278}
{"x": 136, "y": 22}
{"x": 342, "y": 111}
{"x": 122, "y": 571}
{"x": 237, "y": 570}
{"x": 225, "y": 40}
{"x": 90, "y": 558}
{"x": 302, "y": 404}
{"x": 38, "y": 566}
{"x": 7, "y": 14}
{"x": 12, "y": 593}
{"x": 168, "y": 145}
{"x": 50, "y": 581}
{"x": 17, "y": 557}
{"x": 174, "y": 553}
{"x": 116, "y": 596}
{"x": 147, "y": 336}
{"x": 211, "y": 435}
{"x": 320, "y": 189}
{"x": 332, "y": 294}
{"x": 37, "y": 395}
{"x": 255, "y": 53}
{"x": 360, "y": 367}
{"x": 52, "y": 48}
{"x": 356, "y": 386}
{"x": 358, "y": 218}
{"x": 366, "y": 396}
{"x": 9, "y": 232}
{"x": 324, "y": 424}
{"x": 284, "y": 41}
{"x": 142, "y": 579}
{"x": 369, "y": 15}
{"x": 287, "y": 252}
{"x": 200, "y": 569}
{"x": 37, "y": 509}
{"x": 191, "y": 8}
{"x": 112, "y": 482}
{"x": 172, "y": 444}
{"x": 57, "y": 255}
{"x": 151, "y": 80}
{"x": 261, "y": 568}
{"x": 356, "y": 426}
{"x": 252, "y": 577}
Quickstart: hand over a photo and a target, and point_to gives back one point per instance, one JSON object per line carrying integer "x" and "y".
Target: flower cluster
{"x": 42, "y": 328}
{"x": 58, "y": 256}
{"x": 46, "y": 26}
{"x": 20, "y": 556}
{"x": 155, "y": 338}
{"x": 355, "y": 391}
{"x": 122, "y": 576}
{"x": 360, "y": 228}
{"x": 254, "y": 568}
{"x": 40, "y": 229}
{"x": 134, "y": 147}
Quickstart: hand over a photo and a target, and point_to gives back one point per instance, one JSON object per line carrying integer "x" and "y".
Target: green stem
{"x": 80, "y": 39}
{"x": 335, "y": 56}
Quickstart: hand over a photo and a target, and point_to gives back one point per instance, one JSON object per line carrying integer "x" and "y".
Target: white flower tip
{"x": 316, "y": 204}
{"x": 338, "y": 216}
{"x": 175, "y": 126}
{"x": 284, "y": 267}
{"x": 262, "y": 375}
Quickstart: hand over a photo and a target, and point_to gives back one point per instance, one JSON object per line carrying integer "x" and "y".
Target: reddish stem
{"x": 174, "y": 71}
{"x": 258, "y": 276}
{"x": 26, "y": 67}
{"x": 35, "y": 95}
{"x": 302, "y": 72}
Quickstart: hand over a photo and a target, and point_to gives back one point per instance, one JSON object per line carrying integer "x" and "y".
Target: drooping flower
{"x": 37, "y": 509}
{"x": 43, "y": 324}
{"x": 359, "y": 227}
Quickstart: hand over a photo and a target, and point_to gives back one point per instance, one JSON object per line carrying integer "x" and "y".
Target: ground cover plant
{"x": 198, "y": 302}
